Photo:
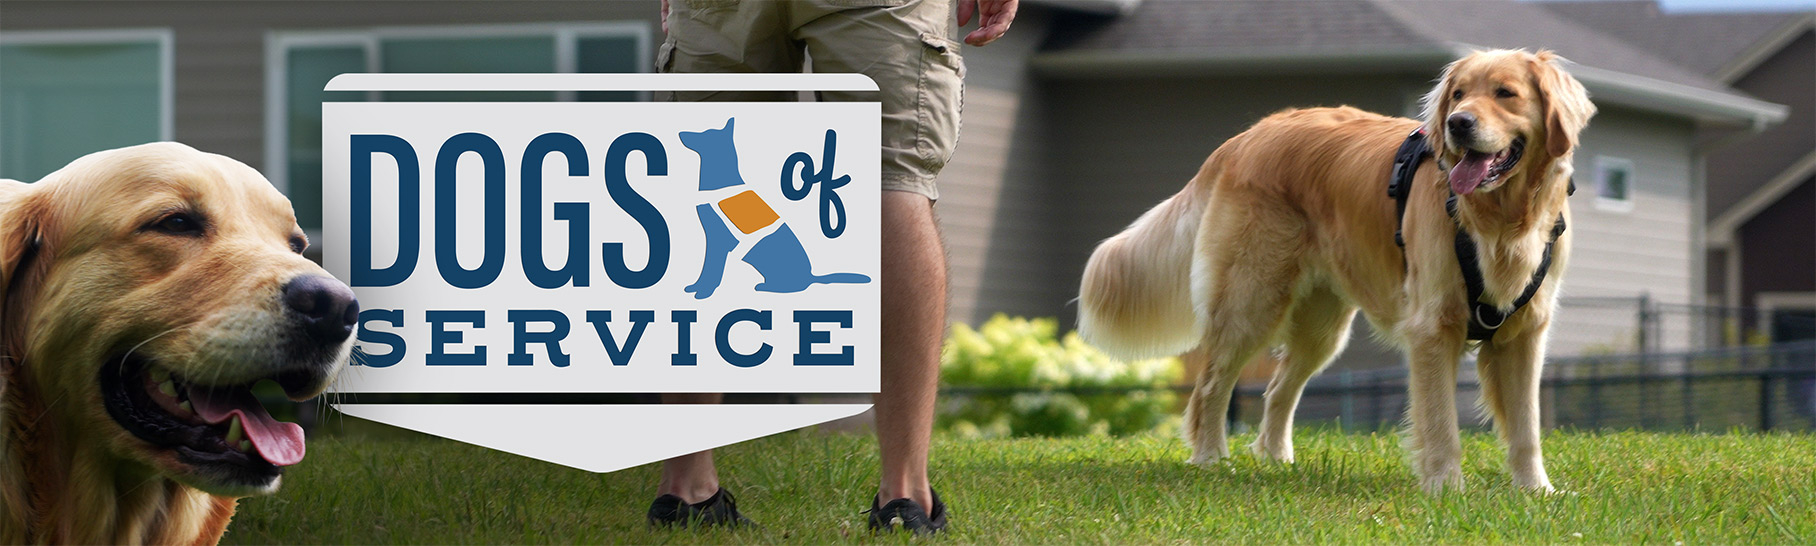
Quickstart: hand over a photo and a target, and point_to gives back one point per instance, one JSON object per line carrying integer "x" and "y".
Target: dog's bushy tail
{"x": 1136, "y": 297}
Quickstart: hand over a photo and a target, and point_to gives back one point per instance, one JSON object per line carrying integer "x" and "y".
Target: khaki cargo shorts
{"x": 901, "y": 44}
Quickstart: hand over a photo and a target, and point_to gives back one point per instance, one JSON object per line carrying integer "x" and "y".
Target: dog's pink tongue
{"x": 280, "y": 443}
{"x": 1469, "y": 171}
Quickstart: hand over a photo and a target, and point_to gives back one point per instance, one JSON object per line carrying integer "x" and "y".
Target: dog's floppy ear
{"x": 1435, "y": 104}
{"x": 1566, "y": 103}
{"x": 20, "y": 219}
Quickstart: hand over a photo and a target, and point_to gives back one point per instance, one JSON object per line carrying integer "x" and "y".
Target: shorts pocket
{"x": 945, "y": 51}
{"x": 665, "y": 56}
{"x": 941, "y": 100}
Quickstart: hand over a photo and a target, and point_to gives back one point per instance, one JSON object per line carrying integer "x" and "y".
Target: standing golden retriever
{"x": 143, "y": 291}
{"x": 1287, "y": 230}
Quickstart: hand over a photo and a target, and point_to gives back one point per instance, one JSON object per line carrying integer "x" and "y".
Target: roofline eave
{"x": 1703, "y": 105}
{"x": 1117, "y": 64}
{"x": 1774, "y": 42}
{"x": 1606, "y": 86}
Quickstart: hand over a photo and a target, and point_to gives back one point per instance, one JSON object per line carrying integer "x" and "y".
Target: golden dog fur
{"x": 81, "y": 276}
{"x": 1287, "y": 230}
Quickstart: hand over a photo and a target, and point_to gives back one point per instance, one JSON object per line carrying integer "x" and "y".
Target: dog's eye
{"x": 1504, "y": 93}
{"x": 297, "y": 244}
{"x": 179, "y": 224}
{"x": 1456, "y": 95}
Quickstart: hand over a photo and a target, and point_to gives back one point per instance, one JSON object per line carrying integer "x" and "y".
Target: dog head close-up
{"x": 1492, "y": 109}
{"x": 146, "y": 290}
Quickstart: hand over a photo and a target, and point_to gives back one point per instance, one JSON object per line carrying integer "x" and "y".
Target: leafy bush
{"x": 1015, "y": 377}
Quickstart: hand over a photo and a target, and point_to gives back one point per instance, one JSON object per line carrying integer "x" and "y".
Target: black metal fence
{"x": 1769, "y": 387}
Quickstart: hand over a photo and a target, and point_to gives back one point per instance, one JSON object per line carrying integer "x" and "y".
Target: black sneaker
{"x": 909, "y": 514}
{"x": 719, "y": 509}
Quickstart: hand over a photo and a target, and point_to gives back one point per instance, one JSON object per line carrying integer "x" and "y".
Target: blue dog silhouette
{"x": 778, "y": 257}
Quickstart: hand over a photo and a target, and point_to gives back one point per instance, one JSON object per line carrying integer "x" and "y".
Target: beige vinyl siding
{"x": 1622, "y": 254}
{"x": 984, "y": 208}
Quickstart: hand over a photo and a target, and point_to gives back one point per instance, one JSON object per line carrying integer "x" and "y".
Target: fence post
{"x": 1374, "y": 403}
{"x": 1765, "y": 400}
{"x": 1346, "y": 420}
{"x": 1646, "y": 338}
{"x": 1644, "y": 324}
{"x": 1595, "y": 394}
{"x": 1683, "y": 378}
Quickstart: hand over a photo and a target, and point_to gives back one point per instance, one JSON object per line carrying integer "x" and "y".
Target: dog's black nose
{"x": 1462, "y": 124}
{"x": 328, "y": 310}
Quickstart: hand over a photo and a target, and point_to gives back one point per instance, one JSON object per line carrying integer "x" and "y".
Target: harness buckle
{"x": 1482, "y": 322}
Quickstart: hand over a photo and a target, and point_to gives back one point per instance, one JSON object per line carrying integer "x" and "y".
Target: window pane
{"x": 533, "y": 54}
{"x": 309, "y": 69}
{"x": 607, "y": 55}
{"x": 63, "y": 101}
{"x": 1614, "y": 184}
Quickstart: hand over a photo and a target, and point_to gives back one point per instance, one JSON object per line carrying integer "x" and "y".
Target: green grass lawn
{"x": 809, "y": 487}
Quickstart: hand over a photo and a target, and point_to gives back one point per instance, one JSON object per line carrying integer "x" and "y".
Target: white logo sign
{"x": 605, "y": 247}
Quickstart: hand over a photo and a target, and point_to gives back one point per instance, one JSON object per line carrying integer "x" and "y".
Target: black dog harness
{"x": 1484, "y": 318}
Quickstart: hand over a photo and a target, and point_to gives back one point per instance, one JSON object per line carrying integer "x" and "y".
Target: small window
{"x": 66, "y": 94}
{"x": 1614, "y": 184}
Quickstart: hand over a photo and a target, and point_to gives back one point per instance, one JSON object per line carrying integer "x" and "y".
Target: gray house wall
{"x": 1047, "y": 165}
{"x": 220, "y": 46}
{"x": 1776, "y": 248}
{"x": 984, "y": 210}
{"x": 220, "y": 69}
{"x": 1787, "y": 78}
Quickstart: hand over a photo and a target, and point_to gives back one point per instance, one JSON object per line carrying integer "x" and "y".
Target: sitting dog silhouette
{"x": 779, "y": 256}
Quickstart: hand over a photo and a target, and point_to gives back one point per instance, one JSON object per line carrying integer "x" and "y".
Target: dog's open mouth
{"x": 223, "y": 427}
{"x": 1477, "y": 170}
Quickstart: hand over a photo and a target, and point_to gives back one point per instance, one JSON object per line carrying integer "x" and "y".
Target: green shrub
{"x": 1047, "y": 384}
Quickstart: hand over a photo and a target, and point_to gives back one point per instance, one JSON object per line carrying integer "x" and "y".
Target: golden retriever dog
{"x": 143, "y": 291}
{"x": 1287, "y": 231}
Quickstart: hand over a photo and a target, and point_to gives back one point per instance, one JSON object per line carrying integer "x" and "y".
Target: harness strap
{"x": 1484, "y": 318}
{"x": 1413, "y": 151}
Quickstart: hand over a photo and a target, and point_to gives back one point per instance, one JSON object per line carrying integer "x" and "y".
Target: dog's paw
{"x": 1279, "y": 452}
{"x": 1207, "y": 460}
{"x": 1535, "y": 485}
{"x": 1450, "y": 481}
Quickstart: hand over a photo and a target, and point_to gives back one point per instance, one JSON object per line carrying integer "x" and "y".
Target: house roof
{"x": 1238, "y": 26}
{"x": 1383, "y": 34}
{"x": 1706, "y": 43}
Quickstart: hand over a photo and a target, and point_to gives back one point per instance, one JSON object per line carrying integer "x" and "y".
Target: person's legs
{"x": 914, "y": 311}
{"x": 718, "y": 37}
{"x": 692, "y": 476}
{"x": 901, "y": 45}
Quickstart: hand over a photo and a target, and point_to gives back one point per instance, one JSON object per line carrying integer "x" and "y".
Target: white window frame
{"x": 165, "y": 38}
{"x": 1603, "y": 165}
{"x": 279, "y": 43}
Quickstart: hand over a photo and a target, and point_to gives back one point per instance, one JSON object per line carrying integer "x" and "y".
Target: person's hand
{"x": 993, "y": 18}
{"x": 665, "y": 16}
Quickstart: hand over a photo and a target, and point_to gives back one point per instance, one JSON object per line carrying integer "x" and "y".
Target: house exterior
{"x": 1761, "y": 211}
{"x": 1134, "y": 102}
{"x": 1082, "y": 117}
